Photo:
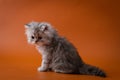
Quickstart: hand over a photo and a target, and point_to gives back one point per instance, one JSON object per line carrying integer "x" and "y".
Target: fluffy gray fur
{"x": 58, "y": 54}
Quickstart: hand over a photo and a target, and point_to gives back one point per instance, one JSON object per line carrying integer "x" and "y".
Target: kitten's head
{"x": 40, "y": 33}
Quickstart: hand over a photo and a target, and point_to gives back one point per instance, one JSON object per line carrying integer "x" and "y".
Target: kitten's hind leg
{"x": 63, "y": 71}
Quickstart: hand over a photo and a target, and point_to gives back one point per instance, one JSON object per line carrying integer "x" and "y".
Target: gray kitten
{"x": 58, "y": 54}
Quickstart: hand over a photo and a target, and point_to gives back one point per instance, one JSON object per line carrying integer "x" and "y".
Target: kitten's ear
{"x": 44, "y": 28}
{"x": 27, "y": 26}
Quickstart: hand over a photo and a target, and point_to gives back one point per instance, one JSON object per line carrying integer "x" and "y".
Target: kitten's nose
{"x": 36, "y": 41}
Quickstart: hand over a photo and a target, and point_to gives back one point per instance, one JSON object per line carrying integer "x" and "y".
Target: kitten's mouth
{"x": 41, "y": 44}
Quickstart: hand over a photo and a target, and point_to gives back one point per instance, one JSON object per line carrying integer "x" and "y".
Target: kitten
{"x": 58, "y": 54}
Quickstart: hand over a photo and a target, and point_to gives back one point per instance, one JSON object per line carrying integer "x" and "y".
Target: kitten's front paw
{"x": 42, "y": 69}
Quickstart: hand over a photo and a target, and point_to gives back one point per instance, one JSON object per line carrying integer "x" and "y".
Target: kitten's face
{"x": 39, "y": 33}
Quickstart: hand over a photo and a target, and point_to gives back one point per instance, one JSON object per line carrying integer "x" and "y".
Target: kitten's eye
{"x": 39, "y": 38}
{"x": 32, "y": 37}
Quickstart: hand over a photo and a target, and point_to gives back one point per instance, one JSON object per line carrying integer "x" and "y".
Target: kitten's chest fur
{"x": 42, "y": 50}
{"x": 46, "y": 54}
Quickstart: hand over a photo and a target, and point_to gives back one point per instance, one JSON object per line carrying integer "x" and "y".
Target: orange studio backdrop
{"x": 93, "y": 26}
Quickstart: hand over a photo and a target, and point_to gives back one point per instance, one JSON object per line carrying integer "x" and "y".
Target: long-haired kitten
{"x": 58, "y": 54}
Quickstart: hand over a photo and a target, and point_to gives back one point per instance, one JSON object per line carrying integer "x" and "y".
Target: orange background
{"x": 93, "y": 26}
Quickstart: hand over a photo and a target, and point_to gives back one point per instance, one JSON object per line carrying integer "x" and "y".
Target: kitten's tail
{"x": 91, "y": 70}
